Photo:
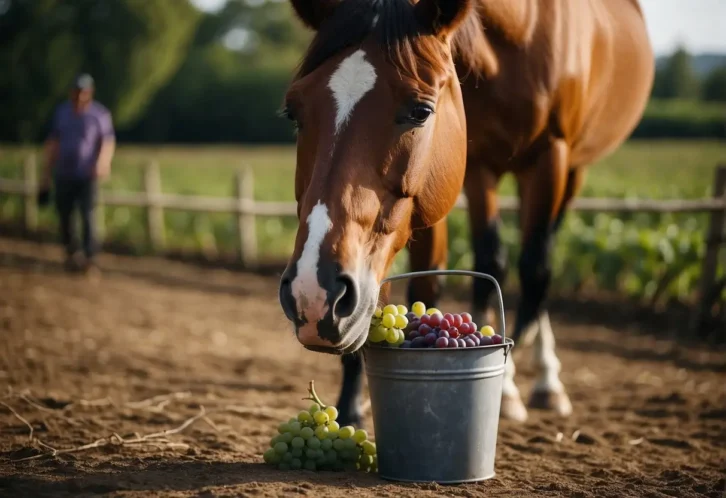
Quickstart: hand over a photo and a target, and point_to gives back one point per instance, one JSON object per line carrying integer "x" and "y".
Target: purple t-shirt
{"x": 80, "y": 137}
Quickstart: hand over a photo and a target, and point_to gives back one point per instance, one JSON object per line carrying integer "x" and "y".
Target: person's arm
{"x": 108, "y": 147}
{"x": 50, "y": 154}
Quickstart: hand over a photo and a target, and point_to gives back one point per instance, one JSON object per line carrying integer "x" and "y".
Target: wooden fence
{"x": 246, "y": 209}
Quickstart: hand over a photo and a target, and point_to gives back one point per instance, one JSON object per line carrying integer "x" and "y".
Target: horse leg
{"x": 428, "y": 250}
{"x": 490, "y": 257}
{"x": 542, "y": 193}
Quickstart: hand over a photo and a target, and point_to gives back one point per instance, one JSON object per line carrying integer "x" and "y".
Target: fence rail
{"x": 246, "y": 209}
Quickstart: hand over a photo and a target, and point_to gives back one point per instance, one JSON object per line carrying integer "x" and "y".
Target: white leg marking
{"x": 545, "y": 358}
{"x": 311, "y": 298}
{"x": 349, "y": 83}
{"x": 509, "y": 388}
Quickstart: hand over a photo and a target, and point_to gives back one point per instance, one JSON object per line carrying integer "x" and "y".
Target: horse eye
{"x": 288, "y": 113}
{"x": 420, "y": 113}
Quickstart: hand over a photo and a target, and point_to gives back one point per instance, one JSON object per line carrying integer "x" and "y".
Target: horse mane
{"x": 399, "y": 34}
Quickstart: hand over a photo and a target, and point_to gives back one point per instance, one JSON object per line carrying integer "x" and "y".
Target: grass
{"x": 608, "y": 252}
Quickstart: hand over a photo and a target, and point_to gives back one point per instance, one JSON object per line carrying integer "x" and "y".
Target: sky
{"x": 700, "y": 25}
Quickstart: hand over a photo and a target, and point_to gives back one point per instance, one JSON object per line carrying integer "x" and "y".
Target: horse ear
{"x": 442, "y": 17}
{"x": 313, "y": 12}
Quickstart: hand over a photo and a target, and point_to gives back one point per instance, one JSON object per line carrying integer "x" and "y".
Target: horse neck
{"x": 512, "y": 20}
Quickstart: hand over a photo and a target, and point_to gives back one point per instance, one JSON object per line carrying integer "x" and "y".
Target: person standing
{"x": 78, "y": 153}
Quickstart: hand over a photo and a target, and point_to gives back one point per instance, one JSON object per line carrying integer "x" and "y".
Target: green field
{"x": 625, "y": 253}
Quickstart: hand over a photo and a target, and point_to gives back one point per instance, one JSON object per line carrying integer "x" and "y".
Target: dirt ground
{"x": 144, "y": 348}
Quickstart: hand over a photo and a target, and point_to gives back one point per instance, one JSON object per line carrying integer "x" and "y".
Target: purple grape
{"x": 418, "y": 342}
{"x": 406, "y": 345}
{"x": 469, "y": 342}
{"x": 497, "y": 339}
{"x": 444, "y": 333}
{"x": 461, "y": 342}
{"x": 430, "y": 339}
{"x": 413, "y": 334}
{"x": 475, "y": 340}
{"x": 453, "y": 343}
{"x": 412, "y": 325}
{"x": 442, "y": 342}
{"x": 474, "y": 327}
{"x": 411, "y": 316}
{"x": 479, "y": 335}
{"x": 485, "y": 341}
{"x": 424, "y": 329}
{"x": 445, "y": 324}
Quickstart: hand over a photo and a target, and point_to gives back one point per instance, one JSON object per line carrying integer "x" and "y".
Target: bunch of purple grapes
{"x": 448, "y": 330}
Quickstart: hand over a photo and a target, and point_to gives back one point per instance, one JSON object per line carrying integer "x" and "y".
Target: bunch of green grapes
{"x": 388, "y": 325}
{"x": 315, "y": 441}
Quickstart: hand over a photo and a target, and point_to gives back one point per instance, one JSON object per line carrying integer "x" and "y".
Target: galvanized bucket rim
{"x": 508, "y": 344}
{"x": 485, "y": 276}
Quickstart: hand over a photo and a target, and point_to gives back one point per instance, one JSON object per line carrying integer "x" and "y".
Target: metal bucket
{"x": 436, "y": 411}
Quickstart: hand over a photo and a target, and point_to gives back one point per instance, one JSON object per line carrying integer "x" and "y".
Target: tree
{"x": 714, "y": 86}
{"x": 677, "y": 80}
{"x": 131, "y": 47}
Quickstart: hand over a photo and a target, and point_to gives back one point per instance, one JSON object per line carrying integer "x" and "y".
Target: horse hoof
{"x": 558, "y": 402}
{"x": 513, "y": 409}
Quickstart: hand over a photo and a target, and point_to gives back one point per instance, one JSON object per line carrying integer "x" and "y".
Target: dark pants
{"x": 71, "y": 193}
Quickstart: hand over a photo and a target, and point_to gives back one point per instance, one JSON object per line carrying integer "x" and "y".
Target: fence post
{"x": 30, "y": 205}
{"x": 154, "y": 209}
{"x": 246, "y": 226}
{"x": 715, "y": 237}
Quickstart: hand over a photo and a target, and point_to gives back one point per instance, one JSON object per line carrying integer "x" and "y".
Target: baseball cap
{"x": 83, "y": 82}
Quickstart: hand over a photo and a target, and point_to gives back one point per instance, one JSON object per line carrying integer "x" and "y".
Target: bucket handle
{"x": 484, "y": 276}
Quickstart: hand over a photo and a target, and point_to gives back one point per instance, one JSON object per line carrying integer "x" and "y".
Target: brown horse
{"x": 397, "y": 104}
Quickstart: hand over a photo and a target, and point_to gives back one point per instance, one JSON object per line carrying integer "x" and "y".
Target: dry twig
{"x": 157, "y": 439}
{"x": 21, "y": 418}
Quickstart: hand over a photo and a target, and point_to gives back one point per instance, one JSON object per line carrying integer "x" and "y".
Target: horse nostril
{"x": 347, "y": 300}
{"x": 287, "y": 300}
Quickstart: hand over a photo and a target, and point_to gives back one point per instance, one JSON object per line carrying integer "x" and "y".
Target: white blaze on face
{"x": 310, "y": 297}
{"x": 354, "y": 78}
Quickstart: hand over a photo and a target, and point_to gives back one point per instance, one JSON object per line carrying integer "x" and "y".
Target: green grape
{"x": 295, "y": 427}
{"x": 418, "y": 308}
{"x": 321, "y": 418}
{"x": 297, "y": 442}
{"x": 402, "y": 310}
{"x": 287, "y": 457}
{"x": 304, "y": 416}
{"x": 309, "y": 465}
{"x": 286, "y": 438}
{"x": 269, "y": 455}
{"x": 332, "y": 412}
{"x": 283, "y": 428}
{"x": 390, "y": 309}
{"x": 388, "y": 321}
{"x": 321, "y": 432}
{"x": 366, "y": 460}
{"x": 321, "y": 453}
{"x": 326, "y": 444}
{"x": 314, "y": 408}
{"x": 311, "y": 453}
{"x": 401, "y": 322}
{"x": 333, "y": 426}
{"x": 331, "y": 456}
{"x": 284, "y": 466}
{"x": 378, "y": 334}
{"x": 296, "y": 464}
{"x": 293, "y": 419}
{"x": 392, "y": 336}
{"x": 297, "y": 452}
{"x": 349, "y": 444}
{"x": 378, "y": 312}
{"x": 369, "y": 448}
{"x": 338, "y": 444}
{"x": 314, "y": 443}
{"x": 360, "y": 435}
{"x": 281, "y": 448}
{"x": 306, "y": 433}
{"x": 346, "y": 432}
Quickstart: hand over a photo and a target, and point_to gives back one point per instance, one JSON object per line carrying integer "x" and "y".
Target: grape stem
{"x": 314, "y": 396}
